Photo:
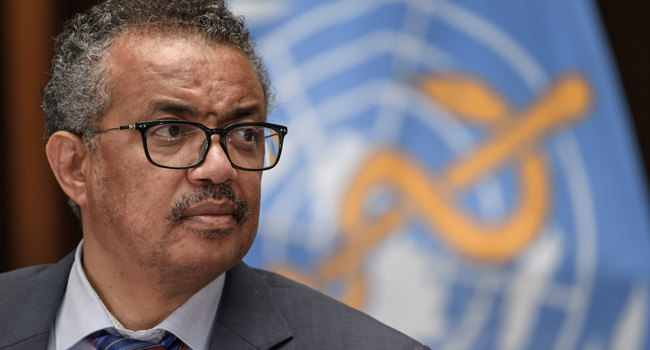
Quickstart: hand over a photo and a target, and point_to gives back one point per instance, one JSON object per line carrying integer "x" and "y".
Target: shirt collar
{"x": 82, "y": 314}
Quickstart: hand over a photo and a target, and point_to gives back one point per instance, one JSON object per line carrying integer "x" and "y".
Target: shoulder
{"x": 32, "y": 283}
{"x": 310, "y": 311}
{"x": 29, "y": 300}
{"x": 296, "y": 295}
{"x": 305, "y": 303}
{"x": 14, "y": 279}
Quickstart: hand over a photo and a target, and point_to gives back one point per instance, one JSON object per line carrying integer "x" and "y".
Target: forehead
{"x": 186, "y": 68}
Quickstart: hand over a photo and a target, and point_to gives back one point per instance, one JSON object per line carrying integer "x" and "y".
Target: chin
{"x": 213, "y": 233}
{"x": 214, "y": 249}
{"x": 201, "y": 268}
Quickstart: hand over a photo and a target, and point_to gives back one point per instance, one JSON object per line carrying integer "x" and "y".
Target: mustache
{"x": 215, "y": 192}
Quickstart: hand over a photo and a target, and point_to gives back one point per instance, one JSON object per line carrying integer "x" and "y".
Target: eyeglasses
{"x": 178, "y": 144}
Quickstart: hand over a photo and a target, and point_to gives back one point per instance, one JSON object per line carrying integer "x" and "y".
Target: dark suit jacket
{"x": 258, "y": 310}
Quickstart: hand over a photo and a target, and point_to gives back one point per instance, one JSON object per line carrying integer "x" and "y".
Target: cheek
{"x": 252, "y": 192}
{"x": 147, "y": 197}
{"x": 131, "y": 194}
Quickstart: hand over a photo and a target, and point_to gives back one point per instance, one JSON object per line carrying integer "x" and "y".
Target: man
{"x": 156, "y": 116}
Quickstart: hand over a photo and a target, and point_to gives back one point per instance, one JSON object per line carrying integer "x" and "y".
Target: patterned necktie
{"x": 104, "y": 341}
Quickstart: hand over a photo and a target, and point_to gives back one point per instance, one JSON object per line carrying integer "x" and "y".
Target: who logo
{"x": 444, "y": 172}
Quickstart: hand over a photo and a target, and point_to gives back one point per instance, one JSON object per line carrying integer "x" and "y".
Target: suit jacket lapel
{"x": 28, "y": 310}
{"x": 248, "y": 317}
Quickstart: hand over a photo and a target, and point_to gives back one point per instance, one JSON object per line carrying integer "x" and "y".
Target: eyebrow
{"x": 185, "y": 111}
{"x": 241, "y": 112}
{"x": 174, "y": 108}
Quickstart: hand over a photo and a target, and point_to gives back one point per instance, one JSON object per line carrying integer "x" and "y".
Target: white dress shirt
{"x": 83, "y": 313}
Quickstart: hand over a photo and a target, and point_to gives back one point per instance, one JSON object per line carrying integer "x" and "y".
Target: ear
{"x": 68, "y": 156}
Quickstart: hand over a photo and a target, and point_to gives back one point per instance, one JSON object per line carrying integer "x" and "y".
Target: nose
{"x": 216, "y": 167}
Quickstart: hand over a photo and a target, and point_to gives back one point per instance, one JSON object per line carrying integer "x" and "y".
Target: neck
{"x": 139, "y": 298}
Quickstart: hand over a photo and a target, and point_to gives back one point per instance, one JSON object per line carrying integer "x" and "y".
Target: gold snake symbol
{"x": 432, "y": 197}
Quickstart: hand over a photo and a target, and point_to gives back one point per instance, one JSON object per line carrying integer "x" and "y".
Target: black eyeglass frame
{"x": 143, "y": 127}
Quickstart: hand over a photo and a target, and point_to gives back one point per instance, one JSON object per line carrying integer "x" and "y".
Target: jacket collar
{"x": 28, "y": 310}
{"x": 248, "y": 317}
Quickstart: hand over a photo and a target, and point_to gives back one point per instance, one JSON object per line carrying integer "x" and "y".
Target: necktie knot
{"x": 102, "y": 340}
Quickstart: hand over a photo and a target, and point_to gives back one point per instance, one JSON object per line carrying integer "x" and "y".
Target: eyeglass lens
{"x": 182, "y": 145}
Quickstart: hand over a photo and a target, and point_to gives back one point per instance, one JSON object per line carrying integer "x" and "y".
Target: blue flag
{"x": 463, "y": 170}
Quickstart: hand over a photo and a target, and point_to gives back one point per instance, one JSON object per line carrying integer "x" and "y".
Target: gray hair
{"x": 78, "y": 91}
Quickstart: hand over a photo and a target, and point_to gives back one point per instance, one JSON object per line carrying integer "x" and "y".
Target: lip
{"x": 211, "y": 215}
{"x": 212, "y": 221}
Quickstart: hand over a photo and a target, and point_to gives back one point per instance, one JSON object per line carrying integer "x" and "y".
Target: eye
{"x": 245, "y": 134}
{"x": 168, "y": 131}
{"x": 172, "y": 132}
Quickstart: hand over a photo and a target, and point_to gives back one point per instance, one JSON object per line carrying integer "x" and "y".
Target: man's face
{"x": 130, "y": 201}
